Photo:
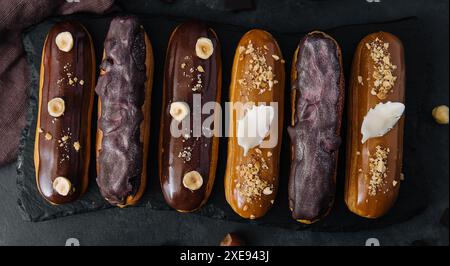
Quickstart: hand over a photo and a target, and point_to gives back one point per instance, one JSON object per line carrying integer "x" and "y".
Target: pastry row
{"x": 188, "y": 160}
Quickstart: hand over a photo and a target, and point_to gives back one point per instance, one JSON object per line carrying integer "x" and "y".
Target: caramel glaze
{"x": 260, "y": 204}
{"x": 317, "y": 106}
{"x": 180, "y": 76}
{"x": 52, "y": 159}
{"x": 124, "y": 89}
{"x": 357, "y": 194}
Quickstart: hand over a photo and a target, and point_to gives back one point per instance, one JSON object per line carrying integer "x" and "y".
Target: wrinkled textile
{"x": 15, "y": 16}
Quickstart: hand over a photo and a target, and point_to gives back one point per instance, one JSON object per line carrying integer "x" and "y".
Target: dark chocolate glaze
{"x": 121, "y": 90}
{"x": 56, "y": 160}
{"x": 315, "y": 136}
{"x": 178, "y": 87}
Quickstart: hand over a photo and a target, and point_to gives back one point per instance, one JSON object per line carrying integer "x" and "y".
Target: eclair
{"x": 66, "y": 93}
{"x": 189, "y": 150}
{"x": 256, "y": 124}
{"x": 317, "y": 98}
{"x": 124, "y": 93}
{"x": 376, "y": 120}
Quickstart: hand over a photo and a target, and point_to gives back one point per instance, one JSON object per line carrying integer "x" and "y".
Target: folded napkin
{"x": 15, "y": 16}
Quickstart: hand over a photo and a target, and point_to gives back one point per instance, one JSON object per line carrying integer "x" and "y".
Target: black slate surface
{"x": 34, "y": 208}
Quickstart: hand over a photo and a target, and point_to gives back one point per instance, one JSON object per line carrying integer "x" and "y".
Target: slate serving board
{"x": 412, "y": 199}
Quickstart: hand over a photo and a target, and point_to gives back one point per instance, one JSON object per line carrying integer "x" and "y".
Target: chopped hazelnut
{"x": 76, "y": 145}
{"x": 48, "y": 136}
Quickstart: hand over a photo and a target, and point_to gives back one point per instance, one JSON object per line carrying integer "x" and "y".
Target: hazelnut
{"x": 204, "y": 48}
{"x": 64, "y": 41}
{"x": 440, "y": 114}
{"x": 231, "y": 240}
{"x": 56, "y": 107}
{"x": 62, "y": 185}
{"x": 192, "y": 180}
{"x": 179, "y": 110}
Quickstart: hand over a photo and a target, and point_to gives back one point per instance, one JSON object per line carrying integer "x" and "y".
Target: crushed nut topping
{"x": 383, "y": 68}
{"x": 72, "y": 80}
{"x": 258, "y": 75}
{"x": 185, "y": 154}
{"x": 64, "y": 145}
{"x": 378, "y": 169}
{"x": 251, "y": 185}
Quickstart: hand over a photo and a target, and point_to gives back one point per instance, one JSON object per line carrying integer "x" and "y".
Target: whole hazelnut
{"x": 231, "y": 240}
{"x": 440, "y": 114}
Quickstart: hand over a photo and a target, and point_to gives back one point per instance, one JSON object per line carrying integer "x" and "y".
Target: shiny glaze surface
{"x": 178, "y": 84}
{"x": 53, "y": 157}
{"x": 122, "y": 90}
{"x": 259, "y": 205}
{"x": 318, "y": 100}
{"x": 357, "y": 182}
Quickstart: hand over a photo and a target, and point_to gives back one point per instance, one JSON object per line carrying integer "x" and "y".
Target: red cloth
{"x": 15, "y": 16}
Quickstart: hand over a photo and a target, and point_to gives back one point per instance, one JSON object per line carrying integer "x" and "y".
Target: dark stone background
{"x": 141, "y": 226}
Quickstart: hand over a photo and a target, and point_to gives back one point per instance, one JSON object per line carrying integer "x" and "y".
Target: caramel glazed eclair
{"x": 317, "y": 104}
{"x": 375, "y": 132}
{"x": 66, "y": 93}
{"x": 187, "y": 163}
{"x": 251, "y": 178}
{"x": 124, "y": 90}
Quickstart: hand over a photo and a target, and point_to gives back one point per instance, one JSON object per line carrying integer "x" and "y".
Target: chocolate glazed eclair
{"x": 257, "y": 81}
{"x": 66, "y": 93}
{"x": 375, "y": 132}
{"x": 317, "y": 104}
{"x": 187, "y": 163}
{"x": 124, "y": 89}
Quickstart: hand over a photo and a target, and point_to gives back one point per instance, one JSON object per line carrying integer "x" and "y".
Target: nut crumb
{"x": 200, "y": 69}
{"x": 267, "y": 191}
{"x": 48, "y": 136}
{"x": 276, "y": 57}
{"x": 76, "y": 145}
{"x": 360, "y": 80}
{"x": 378, "y": 169}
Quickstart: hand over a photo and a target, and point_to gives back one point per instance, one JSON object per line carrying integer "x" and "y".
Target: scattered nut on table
{"x": 231, "y": 240}
{"x": 440, "y": 114}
